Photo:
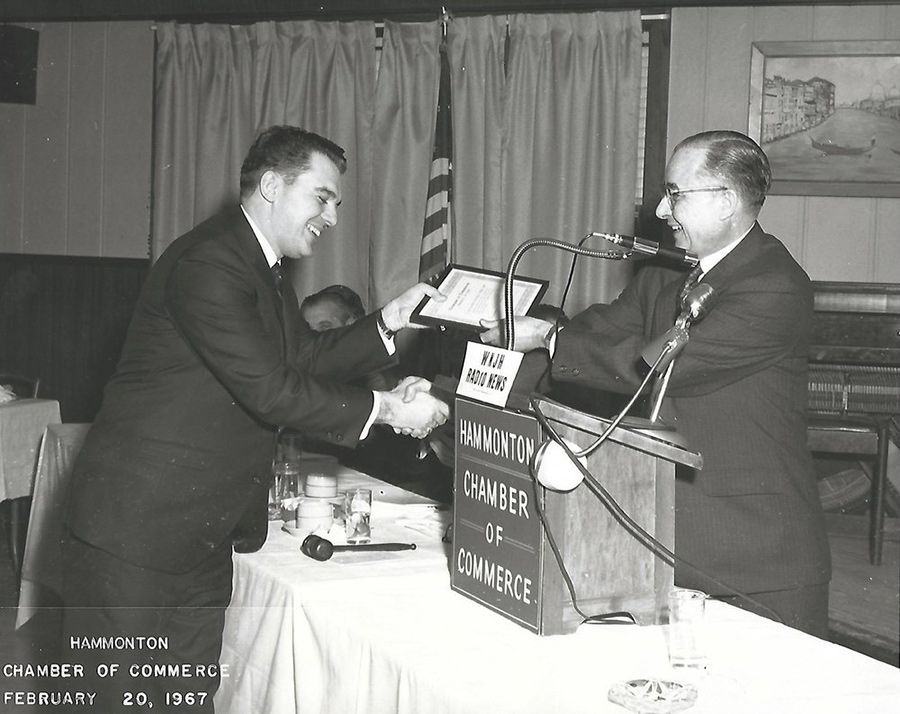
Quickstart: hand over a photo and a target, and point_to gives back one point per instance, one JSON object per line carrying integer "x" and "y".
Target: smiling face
{"x": 297, "y": 213}
{"x": 700, "y": 220}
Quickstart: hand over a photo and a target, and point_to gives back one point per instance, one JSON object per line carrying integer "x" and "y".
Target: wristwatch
{"x": 382, "y": 325}
{"x": 548, "y": 336}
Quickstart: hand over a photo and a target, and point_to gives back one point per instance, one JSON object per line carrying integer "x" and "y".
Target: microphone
{"x": 662, "y": 350}
{"x": 553, "y": 467}
{"x": 694, "y": 308}
{"x": 696, "y": 305}
{"x": 649, "y": 247}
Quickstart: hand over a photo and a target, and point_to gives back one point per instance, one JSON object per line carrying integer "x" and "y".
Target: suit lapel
{"x": 248, "y": 247}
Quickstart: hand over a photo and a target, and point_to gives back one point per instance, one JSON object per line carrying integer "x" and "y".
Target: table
{"x": 42, "y": 565}
{"x": 387, "y": 634}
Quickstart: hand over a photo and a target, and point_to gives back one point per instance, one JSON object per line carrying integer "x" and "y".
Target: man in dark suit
{"x": 750, "y": 520}
{"x": 176, "y": 467}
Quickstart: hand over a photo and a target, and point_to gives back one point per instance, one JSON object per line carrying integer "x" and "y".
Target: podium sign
{"x": 502, "y": 555}
{"x": 497, "y": 531}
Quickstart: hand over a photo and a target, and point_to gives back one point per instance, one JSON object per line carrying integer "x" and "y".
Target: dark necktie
{"x": 278, "y": 275}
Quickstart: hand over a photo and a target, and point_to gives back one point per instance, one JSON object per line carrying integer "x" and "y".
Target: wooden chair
{"x": 866, "y": 438}
{"x": 27, "y": 387}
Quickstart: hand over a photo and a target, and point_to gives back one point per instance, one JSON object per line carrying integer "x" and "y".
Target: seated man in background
{"x": 334, "y": 306}
{"x": 392, "y": 457}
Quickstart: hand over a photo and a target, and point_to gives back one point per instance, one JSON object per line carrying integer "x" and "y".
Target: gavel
{"x": 319, "y": 548}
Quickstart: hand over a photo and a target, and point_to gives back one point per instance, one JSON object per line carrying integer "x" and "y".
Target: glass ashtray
{"x": 653, "y": 696}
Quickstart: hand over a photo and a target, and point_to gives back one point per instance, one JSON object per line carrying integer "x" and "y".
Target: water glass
{"x": 687, "y": 610}
{"x": 357, "y": 512}
{"x": 286, "y": 481}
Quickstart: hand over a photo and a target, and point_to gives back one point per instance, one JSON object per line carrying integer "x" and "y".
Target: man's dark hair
{"x": 287, "y": 150}
{"x": 339, "y": 295}
{"x": 737, "y": 160}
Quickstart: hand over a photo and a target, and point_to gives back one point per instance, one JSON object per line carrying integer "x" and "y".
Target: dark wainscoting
{"x": 64, "y": 320}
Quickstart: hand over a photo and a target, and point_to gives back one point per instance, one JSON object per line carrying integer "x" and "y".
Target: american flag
{"x": 436, "y": 233}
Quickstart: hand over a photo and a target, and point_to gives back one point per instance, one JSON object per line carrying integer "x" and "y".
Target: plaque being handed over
{"x": 474, "y": 294}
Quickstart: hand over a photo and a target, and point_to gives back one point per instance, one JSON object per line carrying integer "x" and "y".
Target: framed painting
{"x": 827, "y": 114}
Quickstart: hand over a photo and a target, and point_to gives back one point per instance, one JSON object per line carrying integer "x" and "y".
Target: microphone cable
{"x": 618, "y": 513}
{"x": 627, "y": 522}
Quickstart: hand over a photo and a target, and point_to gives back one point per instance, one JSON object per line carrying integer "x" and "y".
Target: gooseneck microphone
{"x": 696, "y": 305}
{"x": 649, "y": 247}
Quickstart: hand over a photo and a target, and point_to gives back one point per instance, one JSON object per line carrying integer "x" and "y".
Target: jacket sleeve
{"x": 231, "y": 322}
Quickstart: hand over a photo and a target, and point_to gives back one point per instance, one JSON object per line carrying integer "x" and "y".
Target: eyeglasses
{"x": 672, "y": 192}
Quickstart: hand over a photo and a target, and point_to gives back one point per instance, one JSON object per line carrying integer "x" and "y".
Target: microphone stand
{"x": 514, "y": 262}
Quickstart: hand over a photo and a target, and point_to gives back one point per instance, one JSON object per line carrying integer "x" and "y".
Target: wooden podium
{"x": 501, "y": 554}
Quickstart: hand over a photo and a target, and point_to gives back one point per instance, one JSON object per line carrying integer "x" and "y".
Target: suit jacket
{"x": 181, "y": 450}
{"x": 751, "y": 517}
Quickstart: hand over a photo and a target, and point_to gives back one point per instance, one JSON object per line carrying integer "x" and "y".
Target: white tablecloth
{"x": 22, "y": 422}
{"x": 371, "y": 634}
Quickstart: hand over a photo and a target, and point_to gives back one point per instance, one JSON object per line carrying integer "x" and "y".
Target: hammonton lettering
{"x": 119, "y": 643}
{"x": 494, "y": 441}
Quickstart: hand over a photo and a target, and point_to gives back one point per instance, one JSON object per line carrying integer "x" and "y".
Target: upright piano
{"x": 854, "y": 355}
{"x": 854, "y": 381}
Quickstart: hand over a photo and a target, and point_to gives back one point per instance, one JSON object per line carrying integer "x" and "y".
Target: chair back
{"x": 42, "y": 564}
{"x": 20, "y": 384}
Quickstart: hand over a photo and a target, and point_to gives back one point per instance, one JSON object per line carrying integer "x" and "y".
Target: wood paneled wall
{"x": 75, "y": 168}
{"x": 835, "y": 239}
{"x": 64, "y": 320}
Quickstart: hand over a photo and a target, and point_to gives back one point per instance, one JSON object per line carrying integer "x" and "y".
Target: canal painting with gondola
{"x": 831, "y": 120}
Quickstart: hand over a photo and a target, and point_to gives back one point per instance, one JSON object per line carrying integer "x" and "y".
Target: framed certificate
{"x": 474, "y": 294}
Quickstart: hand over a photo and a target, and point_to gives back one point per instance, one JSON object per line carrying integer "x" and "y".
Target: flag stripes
{"x": 437, "y": 229}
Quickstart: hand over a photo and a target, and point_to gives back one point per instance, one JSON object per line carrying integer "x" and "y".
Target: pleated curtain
{"x": 545, "y": 130}
{"x": 218, "y": 86}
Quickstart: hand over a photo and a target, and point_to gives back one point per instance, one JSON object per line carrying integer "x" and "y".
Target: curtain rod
{"x": 645, "y": 17}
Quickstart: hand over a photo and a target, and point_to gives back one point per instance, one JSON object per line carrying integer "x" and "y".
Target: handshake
{"x": 410, "y": 409}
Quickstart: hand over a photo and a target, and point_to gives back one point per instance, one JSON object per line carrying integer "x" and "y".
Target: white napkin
{"x": 6, "y": 394}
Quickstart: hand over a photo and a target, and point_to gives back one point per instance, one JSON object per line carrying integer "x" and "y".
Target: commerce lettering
{"x": 496, "y": 577}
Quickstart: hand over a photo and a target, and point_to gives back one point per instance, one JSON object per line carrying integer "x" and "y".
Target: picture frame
{"x": 827, "y": 114}
{"x": 475, "y": 294}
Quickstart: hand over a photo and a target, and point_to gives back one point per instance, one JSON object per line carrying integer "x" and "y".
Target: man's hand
{"x": 410, "y": 409}
{"x": 529, "y": 333}
{"x": 412, "y": 385}
{"x": 397, "y": 312}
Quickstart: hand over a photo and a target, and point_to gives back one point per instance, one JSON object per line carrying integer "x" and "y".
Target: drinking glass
{"x": 687, "y": 610}
{"x": 285, "y": 472}
{"x": 357, "y": 511}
